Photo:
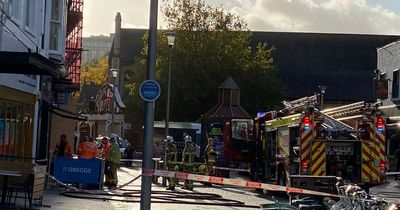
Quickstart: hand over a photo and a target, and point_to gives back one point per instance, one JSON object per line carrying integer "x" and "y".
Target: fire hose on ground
{"x": 133, "y": 196}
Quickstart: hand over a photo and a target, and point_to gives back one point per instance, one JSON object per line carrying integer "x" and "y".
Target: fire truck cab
{"x": 311, "y": 142}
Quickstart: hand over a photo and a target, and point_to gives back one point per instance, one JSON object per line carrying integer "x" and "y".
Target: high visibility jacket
{"x": 188, "y": 155}
{"x": 210, "y": 154}
{"x": 171, "y": 153}
{"x": 87, "y": 150}
{"x": 113, "y": 154}
{"x": 67, "y": 150}
{"x": 106, "y": 147}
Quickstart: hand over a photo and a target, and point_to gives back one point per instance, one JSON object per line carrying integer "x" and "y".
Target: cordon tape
{"x": 210, "y": 179}
{"x": 234, "y": 182}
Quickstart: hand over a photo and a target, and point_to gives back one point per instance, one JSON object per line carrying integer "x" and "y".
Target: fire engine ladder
{"x": 300, "y": 104}
{"x": 332, "y": 124}
{"x": 349, "y": 110}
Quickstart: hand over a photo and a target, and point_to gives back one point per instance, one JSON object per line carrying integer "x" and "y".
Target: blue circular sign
{"x": 149, "y": 90}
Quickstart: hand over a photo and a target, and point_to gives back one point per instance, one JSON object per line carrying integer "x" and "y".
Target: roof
{"x": 118, "y": 98}
{"x": 131, "y": 44}
{"x": 229, "y": 84}
{"x": 344, "y": 86}
{"x": 88, "y": 91}
{"x": 343, "y": 62}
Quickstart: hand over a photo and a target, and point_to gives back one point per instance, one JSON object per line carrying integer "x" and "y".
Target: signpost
{"x": 145, "y": 197}
{"x": 149, "y": 90}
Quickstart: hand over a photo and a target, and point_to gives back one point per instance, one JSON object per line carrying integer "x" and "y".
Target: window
{"x": 15, "y": 129}
{"x": 395, "y": 84}
{"x": 14, "y": 9}
{"x": 55, "y": 24}
{"x": 30, "y": 8}
{"x": 241, "y": 128}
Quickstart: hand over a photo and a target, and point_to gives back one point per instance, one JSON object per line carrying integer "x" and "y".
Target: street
{"x": 216, "y": 197}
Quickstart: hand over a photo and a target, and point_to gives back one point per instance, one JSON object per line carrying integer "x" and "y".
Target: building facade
{"x": 32, "y": 48}
{"x": 387, "y": 69}
{"x": 96, "y": 47}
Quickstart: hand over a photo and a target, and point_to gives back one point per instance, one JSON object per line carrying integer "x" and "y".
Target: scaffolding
{"x": 73, "y": 50}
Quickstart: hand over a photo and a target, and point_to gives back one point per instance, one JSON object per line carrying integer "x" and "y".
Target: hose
{"x": 133, "y": 196}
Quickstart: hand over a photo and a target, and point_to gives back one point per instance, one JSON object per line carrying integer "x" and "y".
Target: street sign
{"x": 149, "y": 90}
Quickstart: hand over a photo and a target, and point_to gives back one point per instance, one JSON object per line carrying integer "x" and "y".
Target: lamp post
{"x": 171, "y": 40}
{"x": 114, "y": 73}
{"x": 322, "y": 89}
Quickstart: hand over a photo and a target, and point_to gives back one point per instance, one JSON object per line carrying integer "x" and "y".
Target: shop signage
{"x": 79, "y": 171}
{"x": 23, "y": 82}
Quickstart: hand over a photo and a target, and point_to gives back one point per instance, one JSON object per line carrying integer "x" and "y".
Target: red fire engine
{"x": 301, "y": 140}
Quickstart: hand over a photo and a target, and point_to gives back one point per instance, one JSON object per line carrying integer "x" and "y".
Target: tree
{"x": 95, "y": 71}
{"x": 211, "y": 45}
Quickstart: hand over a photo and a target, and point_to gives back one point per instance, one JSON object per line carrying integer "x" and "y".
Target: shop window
{"x": 15, "y": 130}
{"x": 395, "y": 84}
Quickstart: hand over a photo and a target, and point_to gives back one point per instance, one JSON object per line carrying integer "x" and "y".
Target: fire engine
{"x": 347, "y": 141}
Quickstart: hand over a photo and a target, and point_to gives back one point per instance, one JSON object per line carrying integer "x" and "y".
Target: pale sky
{"x": 331, "y": 16}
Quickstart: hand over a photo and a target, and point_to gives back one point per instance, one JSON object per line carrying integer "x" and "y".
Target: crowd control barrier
{"x": 79, "y": 171}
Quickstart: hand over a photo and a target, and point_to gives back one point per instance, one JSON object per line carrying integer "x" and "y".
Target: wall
{"x": 63, "y": 125}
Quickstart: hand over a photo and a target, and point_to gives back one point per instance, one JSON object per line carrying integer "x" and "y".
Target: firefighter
{"x": 209, "y": 155}
{"x": 171, "y": 160}
{"x": 113, "y": 158}
{"x": 188, "y": 155}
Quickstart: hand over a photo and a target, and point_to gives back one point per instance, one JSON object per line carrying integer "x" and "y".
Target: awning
{"x": 29, "y": 63}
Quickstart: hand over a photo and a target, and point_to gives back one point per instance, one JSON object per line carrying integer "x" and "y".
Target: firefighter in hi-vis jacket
{"x": 188, "y": 155}
{"x": 171, "y": 160}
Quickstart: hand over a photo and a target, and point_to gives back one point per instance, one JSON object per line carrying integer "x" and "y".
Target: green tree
{"x": 210, "y": 46}
{"x": 95, "y": 71}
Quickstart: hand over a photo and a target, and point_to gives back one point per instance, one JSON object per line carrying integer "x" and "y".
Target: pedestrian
{"x": 129, "y": 153}
{"x": 188, "y": 156}
{"x": 210, "y": 155}
{"x": 171, "y": 160}
{"x": 63, "y": 148}
{"x": 113, "y": 157}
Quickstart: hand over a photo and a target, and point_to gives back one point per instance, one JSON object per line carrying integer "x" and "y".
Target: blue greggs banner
{"x": 80, "y": 171}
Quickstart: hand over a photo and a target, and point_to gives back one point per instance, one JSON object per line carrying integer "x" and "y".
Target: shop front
{"x": 17, "y": 117}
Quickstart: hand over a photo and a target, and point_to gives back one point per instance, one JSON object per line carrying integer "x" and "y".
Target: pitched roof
{"x": 131, "y": 44}
{"x": 229, "y": 84}
{"x": 343, "y": 62}
{"x": 88, "y": 91}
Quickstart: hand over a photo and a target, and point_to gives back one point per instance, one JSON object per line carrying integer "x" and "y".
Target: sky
{"x": 322, "y": 16}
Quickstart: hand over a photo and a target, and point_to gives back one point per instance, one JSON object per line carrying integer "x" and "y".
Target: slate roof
{"x": 229, "y": 84}
{"x": 343, "y": 62}
{"x": 88, "y": 91}
{"x": 131, "y": 45}
{"x": 232, "y": 108}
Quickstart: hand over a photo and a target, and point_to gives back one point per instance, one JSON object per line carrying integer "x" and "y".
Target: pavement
{"x": 202, "y": 197}
{"x": 390, "y": 190}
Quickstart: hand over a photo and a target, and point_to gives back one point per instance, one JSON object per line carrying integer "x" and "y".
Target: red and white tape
{"x": 234, "y": 182}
